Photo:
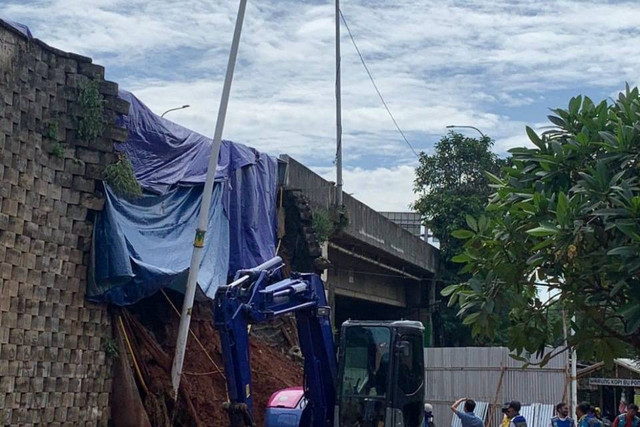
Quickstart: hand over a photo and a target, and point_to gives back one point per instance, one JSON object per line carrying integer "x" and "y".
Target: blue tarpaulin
{"x": 164, "y": 153}
{"x": 143, "y": 245}
{"x": 19, "y": 27}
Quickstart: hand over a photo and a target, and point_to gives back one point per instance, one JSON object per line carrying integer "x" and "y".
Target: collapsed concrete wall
{"x": 54, "y": 361}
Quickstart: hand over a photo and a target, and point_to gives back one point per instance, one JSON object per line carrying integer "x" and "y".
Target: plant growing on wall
{"x": 58, "y": 150}
{"x": 121, "y": 178}
{"x": 119, "y": 175}
{"x": 326, "y": 223}
{"x": 110, "y": 347}
{"x": 51, "y": 132}
{"x": 322, "y": 225}
{"x": 91, "y": 101}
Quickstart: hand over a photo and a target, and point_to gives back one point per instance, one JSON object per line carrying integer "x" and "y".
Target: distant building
{"x": 608, "y": 386}
{"x": 410, "y": 221}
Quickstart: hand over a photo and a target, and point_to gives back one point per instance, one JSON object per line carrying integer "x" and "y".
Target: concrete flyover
{"x": 378, "y": 270}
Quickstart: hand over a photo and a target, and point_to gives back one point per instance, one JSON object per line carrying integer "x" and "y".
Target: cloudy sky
{"x": 494, "y": 64}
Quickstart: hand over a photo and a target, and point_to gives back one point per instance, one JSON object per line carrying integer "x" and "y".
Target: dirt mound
{"x": 153, "y": 326}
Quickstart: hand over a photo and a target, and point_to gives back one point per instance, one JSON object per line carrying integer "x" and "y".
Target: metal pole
{"x": 338, "y": 112}
{"x": 574, "y": 380}
{"x": 567, "y": 381}
{"x": 198, "y": 242}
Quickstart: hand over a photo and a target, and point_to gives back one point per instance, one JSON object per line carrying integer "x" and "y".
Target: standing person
{"x": 581, "y": 413}
{"x": 512, "y": 410}
{"x": 468, "y": 418}
{"x": 586, "y": 416}
{"x": 428, "y": 415}
{"x": 629, "y": 419}
{"x": 562, "y": 418}
{"x": 592, "y": 417}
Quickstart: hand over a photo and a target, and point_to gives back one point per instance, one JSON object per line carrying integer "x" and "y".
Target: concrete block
{"x": 29, "y": 261}
{"x": 82, "y": 184}
{"x": 94, "y": 171}
{"x": 13, "y": 257}
{"x": 7, "y": 238}
{"x": 77, "y": 212}
{"x": 82, "y": 229}
{"x": 92, "y": 71}
{"x": 88, "y": 156}
{"x": 7, "y": 384}
{"x": 5, "y": 271}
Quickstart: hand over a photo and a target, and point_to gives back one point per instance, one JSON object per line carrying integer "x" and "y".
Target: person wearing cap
{"x": 605, "y": 421}
{"x": 629, "y": 419}
{"x": 598, "y": 412}
{"x": 512, "y": 410}
{"x": 467, "y": 418}
{"x": 593, "y": 418}
{"x": 562, "y": 419}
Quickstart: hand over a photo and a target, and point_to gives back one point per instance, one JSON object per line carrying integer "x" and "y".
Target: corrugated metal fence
{"x": 489, "y": 374}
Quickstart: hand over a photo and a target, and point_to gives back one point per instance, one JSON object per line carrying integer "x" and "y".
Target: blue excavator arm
{"x": 252, "y": 298}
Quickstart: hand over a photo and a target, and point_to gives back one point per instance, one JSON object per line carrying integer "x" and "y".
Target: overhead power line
{"x": 364, "y": 64}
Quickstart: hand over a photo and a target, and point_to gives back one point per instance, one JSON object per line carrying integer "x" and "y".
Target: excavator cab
{"x": 381, "y": 374}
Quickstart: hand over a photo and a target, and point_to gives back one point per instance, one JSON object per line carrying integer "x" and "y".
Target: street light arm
{"x": 468, "y": 127}
{"x": 174, "y": 109}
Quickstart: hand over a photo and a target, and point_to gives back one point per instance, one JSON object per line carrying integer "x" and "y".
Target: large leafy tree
{"x": 564, "y": 216}
{"x": 451, "y": 184}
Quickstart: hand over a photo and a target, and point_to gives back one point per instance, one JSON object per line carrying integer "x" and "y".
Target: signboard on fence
{"x": 618, "y": 382}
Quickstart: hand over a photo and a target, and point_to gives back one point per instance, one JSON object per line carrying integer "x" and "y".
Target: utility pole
{"x": 198, "y": 242}
{"x": 338, "y": 113}
{"x": 574, "y": 380}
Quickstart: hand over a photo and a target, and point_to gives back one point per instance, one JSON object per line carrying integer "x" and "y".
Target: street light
{"x": 174, "y": 109}
{"x": 468, "y": 127}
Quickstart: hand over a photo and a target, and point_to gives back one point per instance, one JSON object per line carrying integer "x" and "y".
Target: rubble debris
{"x": 152, "y": 326}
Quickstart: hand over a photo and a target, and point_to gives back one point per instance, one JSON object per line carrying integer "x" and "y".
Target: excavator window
{"x": 366, "y": 365}
{"x": 410, "y": 379}
{"x": 410, "y": 367}
{"x": 365, "y": 379}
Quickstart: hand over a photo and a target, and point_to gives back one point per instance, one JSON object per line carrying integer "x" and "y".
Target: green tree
{"x": 566, "y": 216}
{"x": 451, "y": 184}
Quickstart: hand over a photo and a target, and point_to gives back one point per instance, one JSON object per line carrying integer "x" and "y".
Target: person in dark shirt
{"x": 512, "y": 410}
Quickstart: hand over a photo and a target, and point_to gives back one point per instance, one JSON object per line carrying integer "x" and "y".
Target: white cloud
{"x": 437, "y": 62}
{"x": 383, "y": 189}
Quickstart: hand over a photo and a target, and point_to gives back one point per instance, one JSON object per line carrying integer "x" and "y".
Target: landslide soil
{"x": 271, "y": 369}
